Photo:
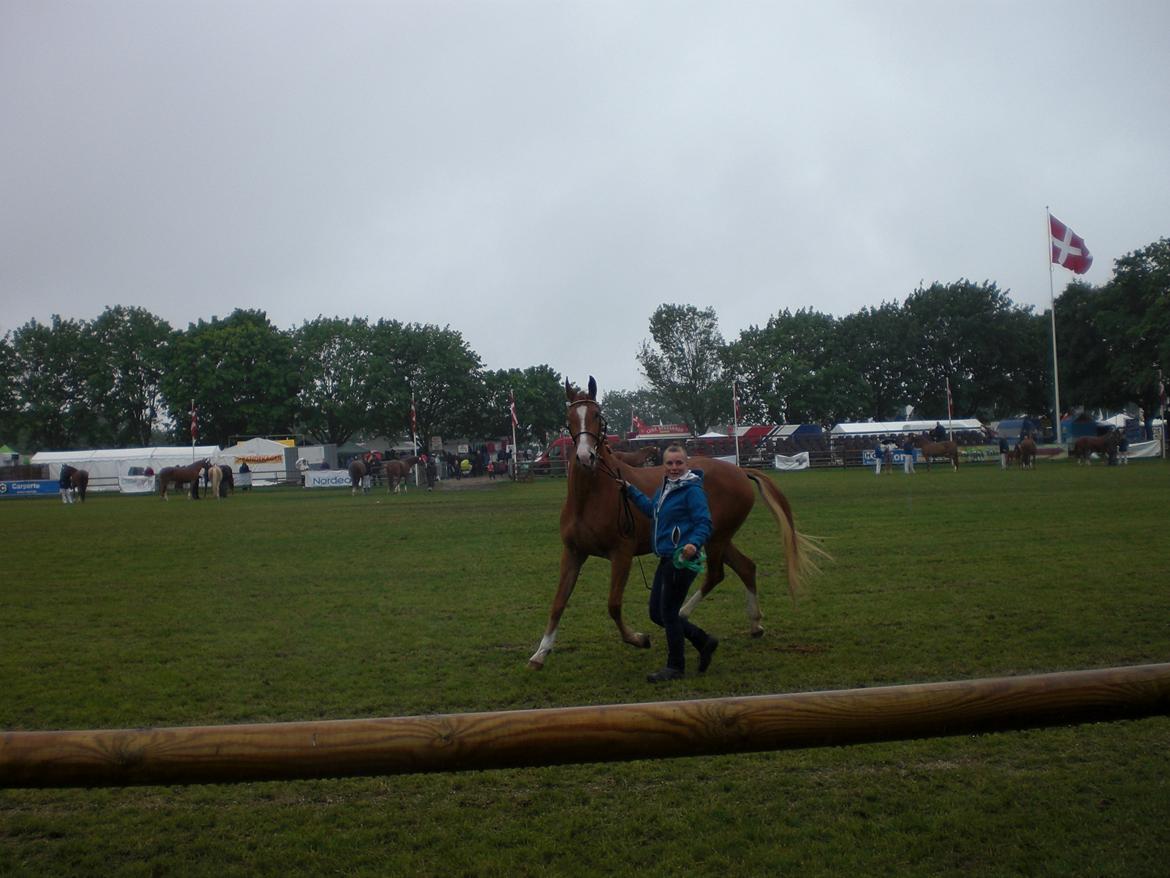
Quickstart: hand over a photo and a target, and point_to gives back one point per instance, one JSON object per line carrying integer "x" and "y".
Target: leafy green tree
{"x": 124, "y": 373}
{"x": 10, "y": 426}
{"x": 684, "y": 364}
{"x": 974, "y": 336}
{"x": 51, "y": 373}
{"x": 242, "y": 373}
{"x": 540, "y": 403}
{"x": 1086, "y": 355}
{"x": 875, "y": 343}
{"x": 336, "y": 399}
{"x": 434, "y": 364}
{"x": 794, "y": 370}
{"x": 1137, "y": 314}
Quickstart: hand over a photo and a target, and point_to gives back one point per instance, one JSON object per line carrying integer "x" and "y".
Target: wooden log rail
{"x": 558, "y": 736}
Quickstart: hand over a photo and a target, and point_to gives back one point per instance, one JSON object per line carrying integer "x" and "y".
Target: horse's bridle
{"x": 599, "y": 437}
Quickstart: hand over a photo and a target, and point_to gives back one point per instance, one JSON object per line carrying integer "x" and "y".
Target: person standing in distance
{"x": 682, "y": 524}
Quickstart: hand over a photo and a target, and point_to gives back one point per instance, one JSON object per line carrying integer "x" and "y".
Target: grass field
{"x": 292, "y": 605}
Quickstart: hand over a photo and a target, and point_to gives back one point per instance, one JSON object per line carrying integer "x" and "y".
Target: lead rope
{"x": 626, "y": 524}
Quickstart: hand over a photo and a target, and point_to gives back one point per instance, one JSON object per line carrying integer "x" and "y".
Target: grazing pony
{"x": 647, "y": 456}
{"x": 930, "y": 448}
{"x": 181, "y": 475}
{"x": 397, "y": 471}
{"x": 1026, "y": 453}
{"x": 358, "y": 470}
{"x": 73, "y": 481}
{"x": 598, "y": 520}
{"x": 1084, "y": 447}
{"x": 221, "y": 480}
{"x": 79, "y": 482}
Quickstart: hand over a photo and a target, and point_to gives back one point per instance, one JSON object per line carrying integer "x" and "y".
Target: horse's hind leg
{"x": 619, "y": 574}
{"x": 570, "y": 569}
{"x": 745, "y": 569}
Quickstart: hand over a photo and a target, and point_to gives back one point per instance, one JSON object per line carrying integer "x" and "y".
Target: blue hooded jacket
{"x": 680, "y": 513}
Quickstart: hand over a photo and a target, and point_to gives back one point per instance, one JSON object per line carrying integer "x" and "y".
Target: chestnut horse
{"x": 79, "y": 482}
{"x": 397, "y": 472}
{"x": 930, "y": 448}
{"x": 358, "y": 470}
{"x": 181, "y": 475}
{"x": 647, "y": 456}
{"x": 1084, "y": 447}
{"x": 597, "y": 520}
{"x": 1026, "y": 453}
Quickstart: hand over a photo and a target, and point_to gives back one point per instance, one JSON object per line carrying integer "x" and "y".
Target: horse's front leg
{"x": 571, "y": 562}
{"x": 619, "y": 574}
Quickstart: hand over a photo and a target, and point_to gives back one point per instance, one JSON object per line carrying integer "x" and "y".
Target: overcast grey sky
{"x": 540, "y": 176}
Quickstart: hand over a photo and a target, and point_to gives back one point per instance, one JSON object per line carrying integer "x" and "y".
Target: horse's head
{"x": 586, "y": 423}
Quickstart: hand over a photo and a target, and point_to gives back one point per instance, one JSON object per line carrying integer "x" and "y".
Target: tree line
{"x": 882, "y": 361}
{"x": 129, "y": 378}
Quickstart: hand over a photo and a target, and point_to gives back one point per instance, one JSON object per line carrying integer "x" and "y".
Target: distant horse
{"x": 397, "y": 471}
{"x": 1026, "y": 453}
{"x": 72, "y": 481}
{"x": 221, "y": 480}
{"x": 647, "y": 456}
{"x": 595, "y": 520}
{"x": 227, "y": 483}
{"x": 358, "y": 470}
{"x": 181, "y": 475}
{"x": 79, "y": 482}
{"x": 930, "y": 448}
{"x": 1084, "y": 447}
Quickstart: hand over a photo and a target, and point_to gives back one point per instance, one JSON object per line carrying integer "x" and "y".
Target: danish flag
{"x": 512, "y": 408}
{"x": 193, "y": 421}
{"x": 1068, "y": 250}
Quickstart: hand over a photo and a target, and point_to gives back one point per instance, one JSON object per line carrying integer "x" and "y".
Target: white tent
{"x": 269, "y": 462}
{"x": 872, "y": 428}
{"x": 122, "y": 469}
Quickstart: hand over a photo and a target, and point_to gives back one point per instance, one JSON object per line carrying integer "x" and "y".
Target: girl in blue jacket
{"x": 682, "y": 520}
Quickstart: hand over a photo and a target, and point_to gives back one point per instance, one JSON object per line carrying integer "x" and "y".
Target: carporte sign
{"x": 28, "y": 488}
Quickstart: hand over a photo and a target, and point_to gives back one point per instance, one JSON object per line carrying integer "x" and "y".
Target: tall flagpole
{"x": 414, "y": 437}
{"x": 512, "y": 413}
{"x": 950, "y": 412}
{"x": 1052, "y": 315}
{"x": 192, "y": 431}
{"x": 735, "y": 418}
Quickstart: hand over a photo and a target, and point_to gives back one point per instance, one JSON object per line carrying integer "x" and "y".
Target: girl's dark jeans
{"x": 666, "y": 599}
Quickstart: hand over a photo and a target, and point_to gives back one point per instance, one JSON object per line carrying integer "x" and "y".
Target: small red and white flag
{"x": 950, "y": 404}
{"x": 639, "y": 425}
{"x": 1068, "y": 250}
{"x": 735, "y": 401}
{"x": 512, "y": 408}
{"x": 413, "y": 416}
{"x": 194, "y": 422}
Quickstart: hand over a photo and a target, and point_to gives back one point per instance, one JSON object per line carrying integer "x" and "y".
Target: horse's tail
{"x": 82, "y": 483}
{"x": 801, "y": 552}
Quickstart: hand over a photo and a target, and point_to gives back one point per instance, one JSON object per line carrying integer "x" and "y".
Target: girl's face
{"x": 675, "y": 463}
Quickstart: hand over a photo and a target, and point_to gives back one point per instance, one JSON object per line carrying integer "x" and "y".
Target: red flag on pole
{"x": 735, "y": 400}
{"x": 950, "y": 405}
{"x": 1068, "y": 250}
{"x": 193, "y": 421}
{"x": 413, "y": 417}
{"x": 512, "y": 408}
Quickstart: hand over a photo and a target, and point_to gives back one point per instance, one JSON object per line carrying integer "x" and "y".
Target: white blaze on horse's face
{"x": 586, "y": 445}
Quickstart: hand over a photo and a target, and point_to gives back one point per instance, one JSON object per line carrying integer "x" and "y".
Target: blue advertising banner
{"x": 28, "y": 488}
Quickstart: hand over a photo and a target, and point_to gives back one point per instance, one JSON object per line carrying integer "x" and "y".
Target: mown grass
{"x": 292, "y": 605}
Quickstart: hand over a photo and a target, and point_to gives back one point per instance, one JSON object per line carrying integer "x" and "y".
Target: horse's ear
{"x": 592, "y": 388}
{"x": 568, "y": 390}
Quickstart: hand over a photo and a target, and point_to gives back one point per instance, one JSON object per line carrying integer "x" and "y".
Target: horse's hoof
{"x": 534, "y": 665}
{"x": 643, "y": 641}
{"x": 757, "y": 632}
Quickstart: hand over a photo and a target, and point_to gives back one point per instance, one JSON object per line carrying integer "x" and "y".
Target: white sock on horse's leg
{"x": 546, "y": 646}
{"x": 690, "y": 603}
